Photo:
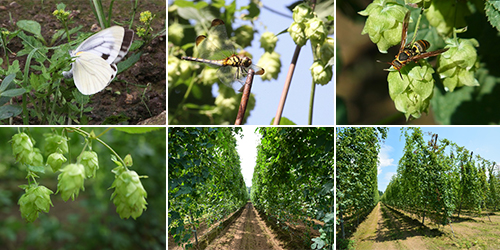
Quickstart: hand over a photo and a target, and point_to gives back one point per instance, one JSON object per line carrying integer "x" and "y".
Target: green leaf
{"x": 341, "y": 112}
{"x": 10, "y": 111}
{"x": 131, "y": 60}
{"x": 116, "y": 161}
{"x": 135, "y": 130}
{"x": 31, "y": 27}
{"x": 37, "y": 169}
{"x": 183, "y": 190}
{"x": 318, "y": 243}
{"x": 6, "y": 82}
{"x": 284, "y": 121}
{"x": 492, "y": 9}
{"x": 13, "y": 92}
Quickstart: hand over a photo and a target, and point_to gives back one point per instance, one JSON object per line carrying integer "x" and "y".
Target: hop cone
{"x": 56, "y": 143}
{"x": 34, "y": 200}
{"x": 129, "y": 196}
{"x": 22, "y": 147}
{"x": 90, "y": 161}
{"x": 55, "y": 161}
{"x": 70, "y": 181}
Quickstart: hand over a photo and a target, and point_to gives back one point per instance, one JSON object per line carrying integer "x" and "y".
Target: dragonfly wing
{"x": 216, "y": 44}
{"x": 258, "y": 70}
{"x": 227, "y": 74}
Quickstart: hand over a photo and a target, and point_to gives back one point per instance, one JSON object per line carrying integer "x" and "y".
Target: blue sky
{"x": 268, "y": 93}
{"x": 482, "y": 141}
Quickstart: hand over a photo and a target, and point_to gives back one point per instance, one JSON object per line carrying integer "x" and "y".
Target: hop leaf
{"x": 90, "y": 161}
{"x": 128, "y": 160}
{"x": 22, "y": 147}
{"x": 129, "y": 196}
{"x": 70, "y": 181}
{"x": 34, "y": 200}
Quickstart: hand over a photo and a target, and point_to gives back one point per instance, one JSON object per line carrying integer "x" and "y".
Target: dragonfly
{"x": 217, "y": 50}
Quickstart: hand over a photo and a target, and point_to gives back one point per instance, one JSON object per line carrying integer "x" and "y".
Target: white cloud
{"x": 384, "y": 158}
{"x": 389, "y": 175}
{"x": 247, "y": 149}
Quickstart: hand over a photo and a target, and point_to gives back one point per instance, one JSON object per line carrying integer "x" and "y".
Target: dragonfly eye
{"x": 246, "y": 61}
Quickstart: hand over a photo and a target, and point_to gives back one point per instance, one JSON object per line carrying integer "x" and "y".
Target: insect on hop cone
{"x": 129, "y": 196}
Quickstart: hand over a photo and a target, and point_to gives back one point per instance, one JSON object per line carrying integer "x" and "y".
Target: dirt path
{"x": 393, "y": 231}
{"x": 247, "y": 232}
{"x": 385, "y": 228}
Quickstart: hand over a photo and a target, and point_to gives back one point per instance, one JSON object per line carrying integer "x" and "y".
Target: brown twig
{"x": 288, "y": 80}
{"x": 244, "y": 98}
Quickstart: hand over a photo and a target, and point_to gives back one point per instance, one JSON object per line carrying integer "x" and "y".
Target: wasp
{"x": 413, "y": 51}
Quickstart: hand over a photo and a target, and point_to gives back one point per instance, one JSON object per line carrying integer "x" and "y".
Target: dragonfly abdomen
{"x": 211, "y": 62}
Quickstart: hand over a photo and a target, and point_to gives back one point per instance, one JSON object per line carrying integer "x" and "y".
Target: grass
{"x": 401, "y": 231}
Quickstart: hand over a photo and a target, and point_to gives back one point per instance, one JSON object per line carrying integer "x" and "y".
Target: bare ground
{"x": 386, "y": 228}
{"x": 252, "y": 231}
{"x": 247, "y": 232}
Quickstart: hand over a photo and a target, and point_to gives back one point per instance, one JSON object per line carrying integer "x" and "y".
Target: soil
{"x": 137, "y": 94}
{"x": 247, "y": 232}
{"x": 387, "y": 228}
{"x": 251, "y": 230}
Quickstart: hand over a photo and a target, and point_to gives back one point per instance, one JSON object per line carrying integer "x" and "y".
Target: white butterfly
{"x": 95, "y": 64}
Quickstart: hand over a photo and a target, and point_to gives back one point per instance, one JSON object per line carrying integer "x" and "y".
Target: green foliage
{"x": 357, "y": 152}
{"x": 190, "y": 86}
{"x": 435, "y": 179}
{"x": 48, "y": 103}
{"x": 90, "y": 221}
{"x": 205, "y": 181}
{"x": 469, "y": 61}
{"x": 492, "y": 8}
{"x": 129, "y": 196}
{"x": 293, "y": 178}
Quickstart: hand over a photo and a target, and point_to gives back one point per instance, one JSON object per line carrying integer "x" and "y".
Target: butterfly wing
{"x": 111, "y": 44}
{"x": 92, "y": 73}
{"x": 97, "y": 56}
